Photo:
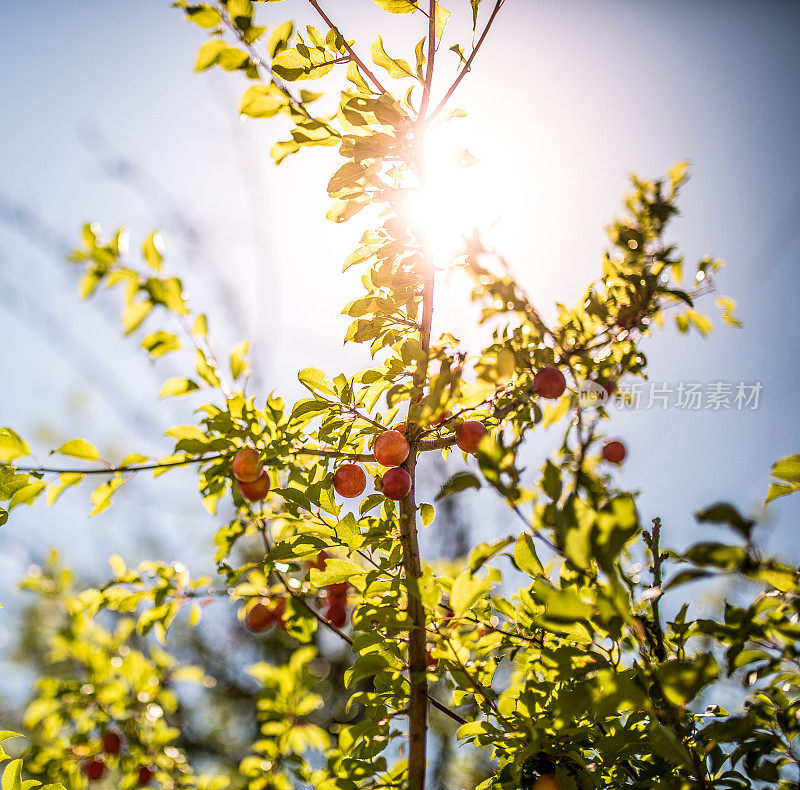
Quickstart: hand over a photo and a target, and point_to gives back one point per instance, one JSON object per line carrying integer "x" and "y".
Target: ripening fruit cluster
{"x": 95, "y": 768}
{"x": 249, "y": 470}
{"x": 391, "y": 449}
{"x": 335, "y": 594}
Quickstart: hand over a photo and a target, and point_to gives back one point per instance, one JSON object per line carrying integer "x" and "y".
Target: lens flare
{"x": 450, "y": 204}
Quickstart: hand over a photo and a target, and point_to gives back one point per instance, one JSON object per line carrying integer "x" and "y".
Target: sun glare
{"x": 453, "y": 202}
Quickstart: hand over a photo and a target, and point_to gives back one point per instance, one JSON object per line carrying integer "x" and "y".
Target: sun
{"x": 452, "y": 202}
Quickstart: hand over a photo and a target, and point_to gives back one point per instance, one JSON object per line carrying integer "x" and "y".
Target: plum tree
{"x": 576, "y": 677}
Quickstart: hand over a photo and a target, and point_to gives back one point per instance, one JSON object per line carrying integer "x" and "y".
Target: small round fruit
{"x": 546, "y": 782}
{"x": 145, "y": 775}
{"x": 431, "y": 661}
{"x": 391, "y": 448}
{"x": 349, "y": 480}
{"x": 112, "y": 742}
{"x": 246, "y": 466}
{"x": 396, "y": 483}
{"x": 95, "y": 769}
{"x": 469, "y": 435}
{"x": 259, "y": 618}
{"x": 609, "y": 386}
{"x": 336, "y": 615}
{"x": 337, "y": 592}
{"x": 257, "y": 489}
{"x": 549, "y": 382}
{"x": 614, "y": 452}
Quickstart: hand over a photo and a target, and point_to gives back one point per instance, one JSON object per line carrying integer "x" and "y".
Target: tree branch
{"x": 428, "y": 84}
{"x": 468, "y": 65}
{"x": 360, "y": 63}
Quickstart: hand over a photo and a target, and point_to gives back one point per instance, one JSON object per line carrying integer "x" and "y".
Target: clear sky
{"x": 568, "y": 97}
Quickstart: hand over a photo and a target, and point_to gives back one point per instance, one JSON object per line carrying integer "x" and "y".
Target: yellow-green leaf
{"x": 12, "y": 446}
{"x": 79, "y": 448}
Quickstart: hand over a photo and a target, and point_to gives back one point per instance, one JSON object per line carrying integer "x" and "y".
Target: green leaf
{"x": 484, "y": 552}
{"x": 279, "y": 38}
{"x": 294, "y": 64}
{"x": 177, "y": 386}
{"x": 777, "y": 490}
{"x": 440, "y": 21}
{"x": 26, "y": 495}
{"x": 728, "y": 305}
{"x": 460, "y": 481}
{"x": 12, "y": 446}
{"x": 12, "y": 776}
{"x": 65, "y": 481}
{"x": 396, "y": 67}
{"x": 426, "y": 513}
{"x": 551, "y": 480}
{"x": 187, "y": 432}
{"x": 682, "y": 680}
{"x": 151, "y": 250}
{"x": 282, "y": 149}
{"x": 718, "y": 555}
{"x": 159, "y": 343}
{"x": 525, "y": 557}
{"x": 239, "y": 364}
{"x": 203, "y": 15}
{"x": 397, "y": 6}
{"x": 262, "y": 101}
{"x": 315, "y": 380}
{"x": 724, "y": 513}
{"x": 101, "y": 497}
{"x": 134, "y": 314}
{"x": 475, "y": 4}
{"x": 788, "y": 469}
{"x": 467, "y": 591}
{"x": 336, "y": 571}
{"x": 205, "y": 369}
{"x": 365, "y": 666}
{"x": 348, "y": 532}
{"x": 209, "y": 53}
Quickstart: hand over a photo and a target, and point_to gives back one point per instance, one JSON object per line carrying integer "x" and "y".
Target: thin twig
{"x": 468, "y": 65}
{"x": 360, "y": 63}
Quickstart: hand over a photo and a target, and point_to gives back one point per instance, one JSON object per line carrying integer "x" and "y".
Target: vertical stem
{"x": 417, "y": 651}
{"x": 426, "y": 88}
{"x": 417, "y": 657}
{"x": 417, "y": 639}
{"x": 653, "y": 542}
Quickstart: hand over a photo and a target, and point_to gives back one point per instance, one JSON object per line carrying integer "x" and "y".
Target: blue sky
{"x": 567, "y": 99}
